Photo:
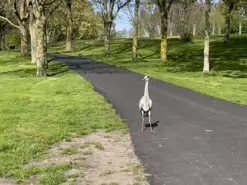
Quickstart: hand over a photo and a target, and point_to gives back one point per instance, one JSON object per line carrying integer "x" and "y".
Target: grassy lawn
{"x": 227, "y": 81}
{"x": 37, "y": 112}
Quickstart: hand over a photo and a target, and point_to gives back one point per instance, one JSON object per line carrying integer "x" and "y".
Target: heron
{"x": 145, "y": 105}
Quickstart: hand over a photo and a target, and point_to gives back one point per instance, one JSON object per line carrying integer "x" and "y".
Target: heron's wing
{"x": 141, "y": 103}
{"x": 150, "y": 103}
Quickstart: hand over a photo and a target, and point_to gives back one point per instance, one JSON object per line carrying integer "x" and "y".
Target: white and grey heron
{"x": 145, "y": 105}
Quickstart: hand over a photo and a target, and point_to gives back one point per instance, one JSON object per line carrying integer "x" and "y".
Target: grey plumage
{"x": 145, "y": 104}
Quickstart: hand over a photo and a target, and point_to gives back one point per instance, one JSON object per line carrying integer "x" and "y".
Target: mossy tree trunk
{"x": 22, "y": 19}
{"x": 33, "y": 38}
{"x": 107, "y": 36}
{"x": 164, "y": 8}
{"x": 24, "y": 39}
{"x": 69, "y": 27}
{"x": 163, "y": 46}
{"x": 135, "y": 35}
{"x": 38, "y": 18}
{"x": 38, "y": 27}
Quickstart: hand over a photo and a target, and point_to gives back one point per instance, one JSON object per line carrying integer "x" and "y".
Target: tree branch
{"x": 130, "y": 12}
{"x": 12, "y": 24}
{"x": 16, "y": 12}
{"x": 120, "y": 7}
{"x": 49, "y": 3}
{"x": 54, "y": 8}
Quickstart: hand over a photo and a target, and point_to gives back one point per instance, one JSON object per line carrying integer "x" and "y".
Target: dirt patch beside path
{"x": 102, "y": 158}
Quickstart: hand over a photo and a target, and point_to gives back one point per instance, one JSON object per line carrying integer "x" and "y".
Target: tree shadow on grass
{"x": 22, "y": 73}
{"x": 54, "y": 69}
{"x": 229, "y": 59}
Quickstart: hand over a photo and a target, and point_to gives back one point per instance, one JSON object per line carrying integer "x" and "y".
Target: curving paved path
{"x": 198, "y": 140}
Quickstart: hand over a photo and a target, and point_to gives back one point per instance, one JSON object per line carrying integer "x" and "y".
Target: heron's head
{"x": 145, "y": 78}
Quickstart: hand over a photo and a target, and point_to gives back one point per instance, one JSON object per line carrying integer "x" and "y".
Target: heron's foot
{"x": 141, "y": 130}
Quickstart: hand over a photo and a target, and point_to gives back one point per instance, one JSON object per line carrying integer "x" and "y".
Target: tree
{"x": 4, "y": 26}
{"x": 206, "y": 64}
{"x": 229, "y": 5}
{"x": 69, "y": 26}
{"x": 149, "y": 18}
{"x": 108, "y": 16}
{"x": 184, "y": 15}
{"x": 39, "y": 13}
{"x": 135, "y": 32}
{"x": 164, "y": 8}
{"x": 86, "y": 23}
{"x": 20, "y": 11}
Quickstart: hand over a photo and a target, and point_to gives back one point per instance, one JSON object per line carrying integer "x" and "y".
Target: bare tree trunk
{"x": 219, "y": 30}
{"x": 206, "y": 64}
{"x": 135, "y": 35}
{"x": 227, "y": 34}
{"x": 69, "y": 28}
{"x": 227, "y": 22}
{"x": 40, "y": 48}
{"x": 33, "y": 37}
{"x": 24, "y": 40}
{"x": 163, "y": 47}
{"x": 107, "y": 32}
{"x": 3, "y": 41}
{"x": 240, "y": 28}
{"x": 213, "y": 29}
{"x": 194, "y": 29}
{"x": 1, "y": 48}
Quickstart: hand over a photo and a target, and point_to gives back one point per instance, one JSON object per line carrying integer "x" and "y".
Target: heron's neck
{"x": 146, "y": 89}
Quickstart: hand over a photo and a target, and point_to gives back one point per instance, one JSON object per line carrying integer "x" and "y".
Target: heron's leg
{"x": 149, "y": 117}
{"x": 142, "y": 123}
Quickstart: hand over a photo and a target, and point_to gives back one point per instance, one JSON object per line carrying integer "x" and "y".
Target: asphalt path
{"x": 197, "y": 139}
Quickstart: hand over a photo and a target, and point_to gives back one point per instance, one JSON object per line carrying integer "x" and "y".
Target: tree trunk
{"x": 194, "y": 29}
{"x": 240, "y": 28}
{"x": 33, "y": 37}
{"x": 219, "y": 30}
{"x": 135, "y": 35}
{"x": 69, "y": 28}
{"x": 107, "y": 32}
{"x": 24, "y": 40}
{"x": 227, "y": 34}
{"x": 3, "y": 41}
{"x": 1, "y": 48}
{"x": 40, "y": 47}
{"x": 163, "y": 48}
{"x": 206, "y": 64}
{"x": 227, "y": 21}
{"x": 213, "y": 30}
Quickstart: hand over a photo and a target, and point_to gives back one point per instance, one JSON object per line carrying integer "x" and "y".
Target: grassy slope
{"x": 37, "y": 112}
{"x": 228, "y": 81}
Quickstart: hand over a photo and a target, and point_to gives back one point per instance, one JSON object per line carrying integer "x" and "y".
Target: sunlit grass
{"x": 37, "y": 112}
{"x": 184, "y": 67}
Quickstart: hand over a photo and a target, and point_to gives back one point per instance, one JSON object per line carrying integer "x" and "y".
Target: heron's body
{"x": 145, "y": 104}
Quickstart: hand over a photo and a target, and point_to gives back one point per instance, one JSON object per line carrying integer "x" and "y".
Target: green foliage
{"x": 37, "y": 112}
{"x": 87, "y": 23}
{"x": 13, "y": 38}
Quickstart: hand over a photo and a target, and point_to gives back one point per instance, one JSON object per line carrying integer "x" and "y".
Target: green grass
{"x": 185, "y": 61}
{"x": 69, "y": 151}
{"x": 38, "y": 112}
{"x": 135, "y": 168}
{"x": 48, "y": 175}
